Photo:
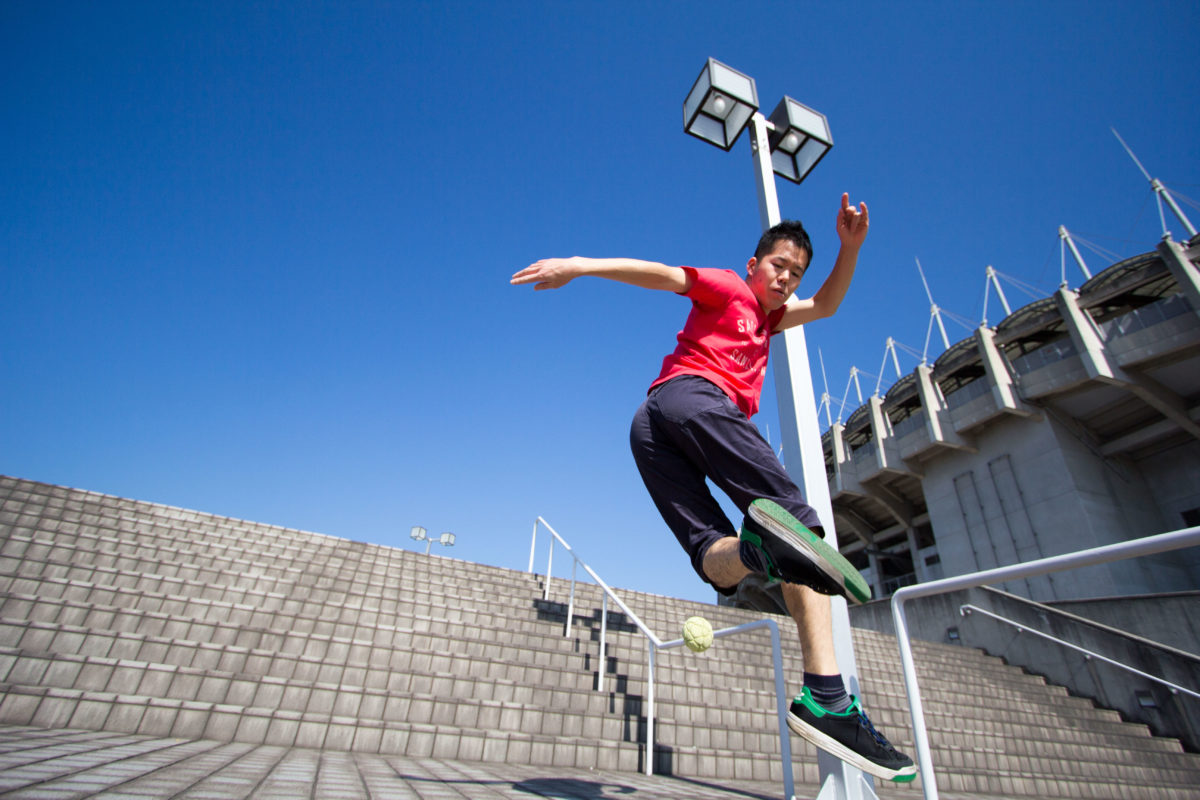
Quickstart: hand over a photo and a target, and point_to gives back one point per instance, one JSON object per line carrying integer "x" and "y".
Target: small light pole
{"x": 419, "y": 534}
{"x": 721, "y": 104}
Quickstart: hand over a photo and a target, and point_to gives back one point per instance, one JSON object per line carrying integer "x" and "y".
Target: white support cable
{"x": 912, "y": 351}
{"x": 1180, "y": 196}
{"x": 1103, "y": 252}
{"x": 1065, "y": 240}
{"x": 1162, "y": 218}
{"x": 1161, "y": 193}
{"x": 845, "y": 394}
{"x": 888, "y": 348}
{"x": 961, "y": 320}
{"x": 1166, "y": 193}
{"x": 854, "y": 373}
{"x": 928, "y": 333}
{"x": 993, "y": 280}
{"x": 1027, "y": 288}
{"x": 825, "y": 397}
{"x": 935, "y": 312}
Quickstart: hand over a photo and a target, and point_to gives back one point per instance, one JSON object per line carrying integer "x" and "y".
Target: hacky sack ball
{"x": 697, "y": 634}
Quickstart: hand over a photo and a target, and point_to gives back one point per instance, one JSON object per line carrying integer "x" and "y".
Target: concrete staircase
{"x": 130, "y": 617}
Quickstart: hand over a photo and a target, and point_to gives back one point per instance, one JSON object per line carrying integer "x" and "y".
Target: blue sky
{"x": 255, "y": 257}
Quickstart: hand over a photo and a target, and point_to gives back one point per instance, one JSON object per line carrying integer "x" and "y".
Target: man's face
{"x": 776, "y": 275}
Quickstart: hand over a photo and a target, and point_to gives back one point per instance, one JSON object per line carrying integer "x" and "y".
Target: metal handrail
{"x": 968, "y": 609}
{"x": 1146, "y": 546}
{"x": 654, "y": 643}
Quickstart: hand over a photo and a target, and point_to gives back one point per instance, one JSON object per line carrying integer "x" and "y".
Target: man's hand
{"x": 549, "y": 273}
{"x": 852, "y": 223}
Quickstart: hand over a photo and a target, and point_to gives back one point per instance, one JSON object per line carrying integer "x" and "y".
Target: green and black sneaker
{"x": 776, "y": 544}
{"x": 851, "y": 737}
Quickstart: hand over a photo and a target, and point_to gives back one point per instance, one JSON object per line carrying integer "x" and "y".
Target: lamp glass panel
{"x": 418, "y": 533}
{"x": 807, "y": 120}
{"x": 696, "y": 97}
{"x": 736, "y": 121}
{"x": 783, "y": 165}
{"x": 447, "y": 538}
{"x": 807, "y": 157}
{"x": 733, "y": 82}
{"x": 709, "y": 129}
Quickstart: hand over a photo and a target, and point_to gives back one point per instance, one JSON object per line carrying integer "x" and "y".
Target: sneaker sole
{"x": 839, "y": 750}
{"x": 776, "y": 519}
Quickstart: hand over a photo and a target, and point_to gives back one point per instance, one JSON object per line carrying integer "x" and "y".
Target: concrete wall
{"x": 1176, "y": 715}
{"x": 1171, "y": 619}
{"x": 1037, "y": 488}
{"x": 1173, "y": 475}
{"x": 1014, "y": 500}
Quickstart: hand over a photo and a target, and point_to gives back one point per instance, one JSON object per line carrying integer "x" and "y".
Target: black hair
{"x": 789, "y": 230}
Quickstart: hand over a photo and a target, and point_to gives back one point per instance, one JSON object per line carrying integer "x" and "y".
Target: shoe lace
{"x": 865, "y": 722}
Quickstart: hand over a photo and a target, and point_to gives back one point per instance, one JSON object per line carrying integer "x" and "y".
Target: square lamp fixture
{"x": 447, "y": 539}
{"x": 720, "y": 104}
{"x": 801, "y": 138}
{"x": 417, "y": 533}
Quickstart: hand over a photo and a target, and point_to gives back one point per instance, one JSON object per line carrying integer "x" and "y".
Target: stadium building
{"x": 1070, "y": 424}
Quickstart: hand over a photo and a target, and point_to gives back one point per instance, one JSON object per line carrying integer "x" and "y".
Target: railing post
{"x": 781, "y": 707}
{"x": 533, "y": 545}
{"x": 650, "y": 710}
{"x": 571, "y": 602}
{"x": 920, "y": 735}
{"x": 603, "y": 657}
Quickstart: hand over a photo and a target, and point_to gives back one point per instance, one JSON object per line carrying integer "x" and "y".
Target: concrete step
{"x": 525, "y": 660}
{"x": 137, "y": 617}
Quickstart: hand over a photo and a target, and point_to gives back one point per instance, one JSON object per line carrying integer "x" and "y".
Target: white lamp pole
{"x": 800, "y": 138}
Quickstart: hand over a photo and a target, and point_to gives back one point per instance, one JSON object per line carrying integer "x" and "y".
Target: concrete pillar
{"x": 937, "y": 415}
{"x": 1183, "y": 270}
{"x": 1003, "y": 389}
{"x": 914, "y": 551}
{"x": 1093, "y": 353}
{"x": 881, "y": 431}
{"x": 1084, "y": 333}
{"x": 876, "y": 577}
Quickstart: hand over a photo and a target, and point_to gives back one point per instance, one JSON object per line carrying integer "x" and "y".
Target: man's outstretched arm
{"x": 852, "y": 225}
{"x": 554, "y": 273}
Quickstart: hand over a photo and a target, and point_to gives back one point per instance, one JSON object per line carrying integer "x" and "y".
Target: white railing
{"x": 1149, "y": 545}
{"x": 654, "y": 644}
{"x": 1021, "y": 627}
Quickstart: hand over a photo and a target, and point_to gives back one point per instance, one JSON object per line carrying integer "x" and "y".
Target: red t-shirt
{"x": 726, "y": 338}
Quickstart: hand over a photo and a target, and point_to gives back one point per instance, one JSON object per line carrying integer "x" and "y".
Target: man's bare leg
{"x": 809, "y": 610}
{"x": 836, "y": 728}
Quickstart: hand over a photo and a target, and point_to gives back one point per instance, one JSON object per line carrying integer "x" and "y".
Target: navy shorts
{"x": 688, "y": 430}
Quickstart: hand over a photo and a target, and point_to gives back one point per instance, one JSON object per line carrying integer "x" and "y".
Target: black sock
{"x": 753, "y": 558}
{"x": 829, "y": 691}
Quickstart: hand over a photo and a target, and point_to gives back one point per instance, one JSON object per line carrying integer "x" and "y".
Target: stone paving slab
{"x": 65, "y": 764}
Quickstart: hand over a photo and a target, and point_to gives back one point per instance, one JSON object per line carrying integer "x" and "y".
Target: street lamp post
{"x": 721, "y": 104}
{"x": 419, "y": 534}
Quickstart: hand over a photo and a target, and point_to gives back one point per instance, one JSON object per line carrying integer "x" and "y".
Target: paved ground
{"x": 61, "y": 764}
{"x": 52, "y": 764}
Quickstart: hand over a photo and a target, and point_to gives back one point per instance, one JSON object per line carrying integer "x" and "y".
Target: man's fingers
{"x": 526, "y": 275}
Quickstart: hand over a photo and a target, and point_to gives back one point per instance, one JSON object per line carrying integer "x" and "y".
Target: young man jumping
{"x": 694, "y": 424}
